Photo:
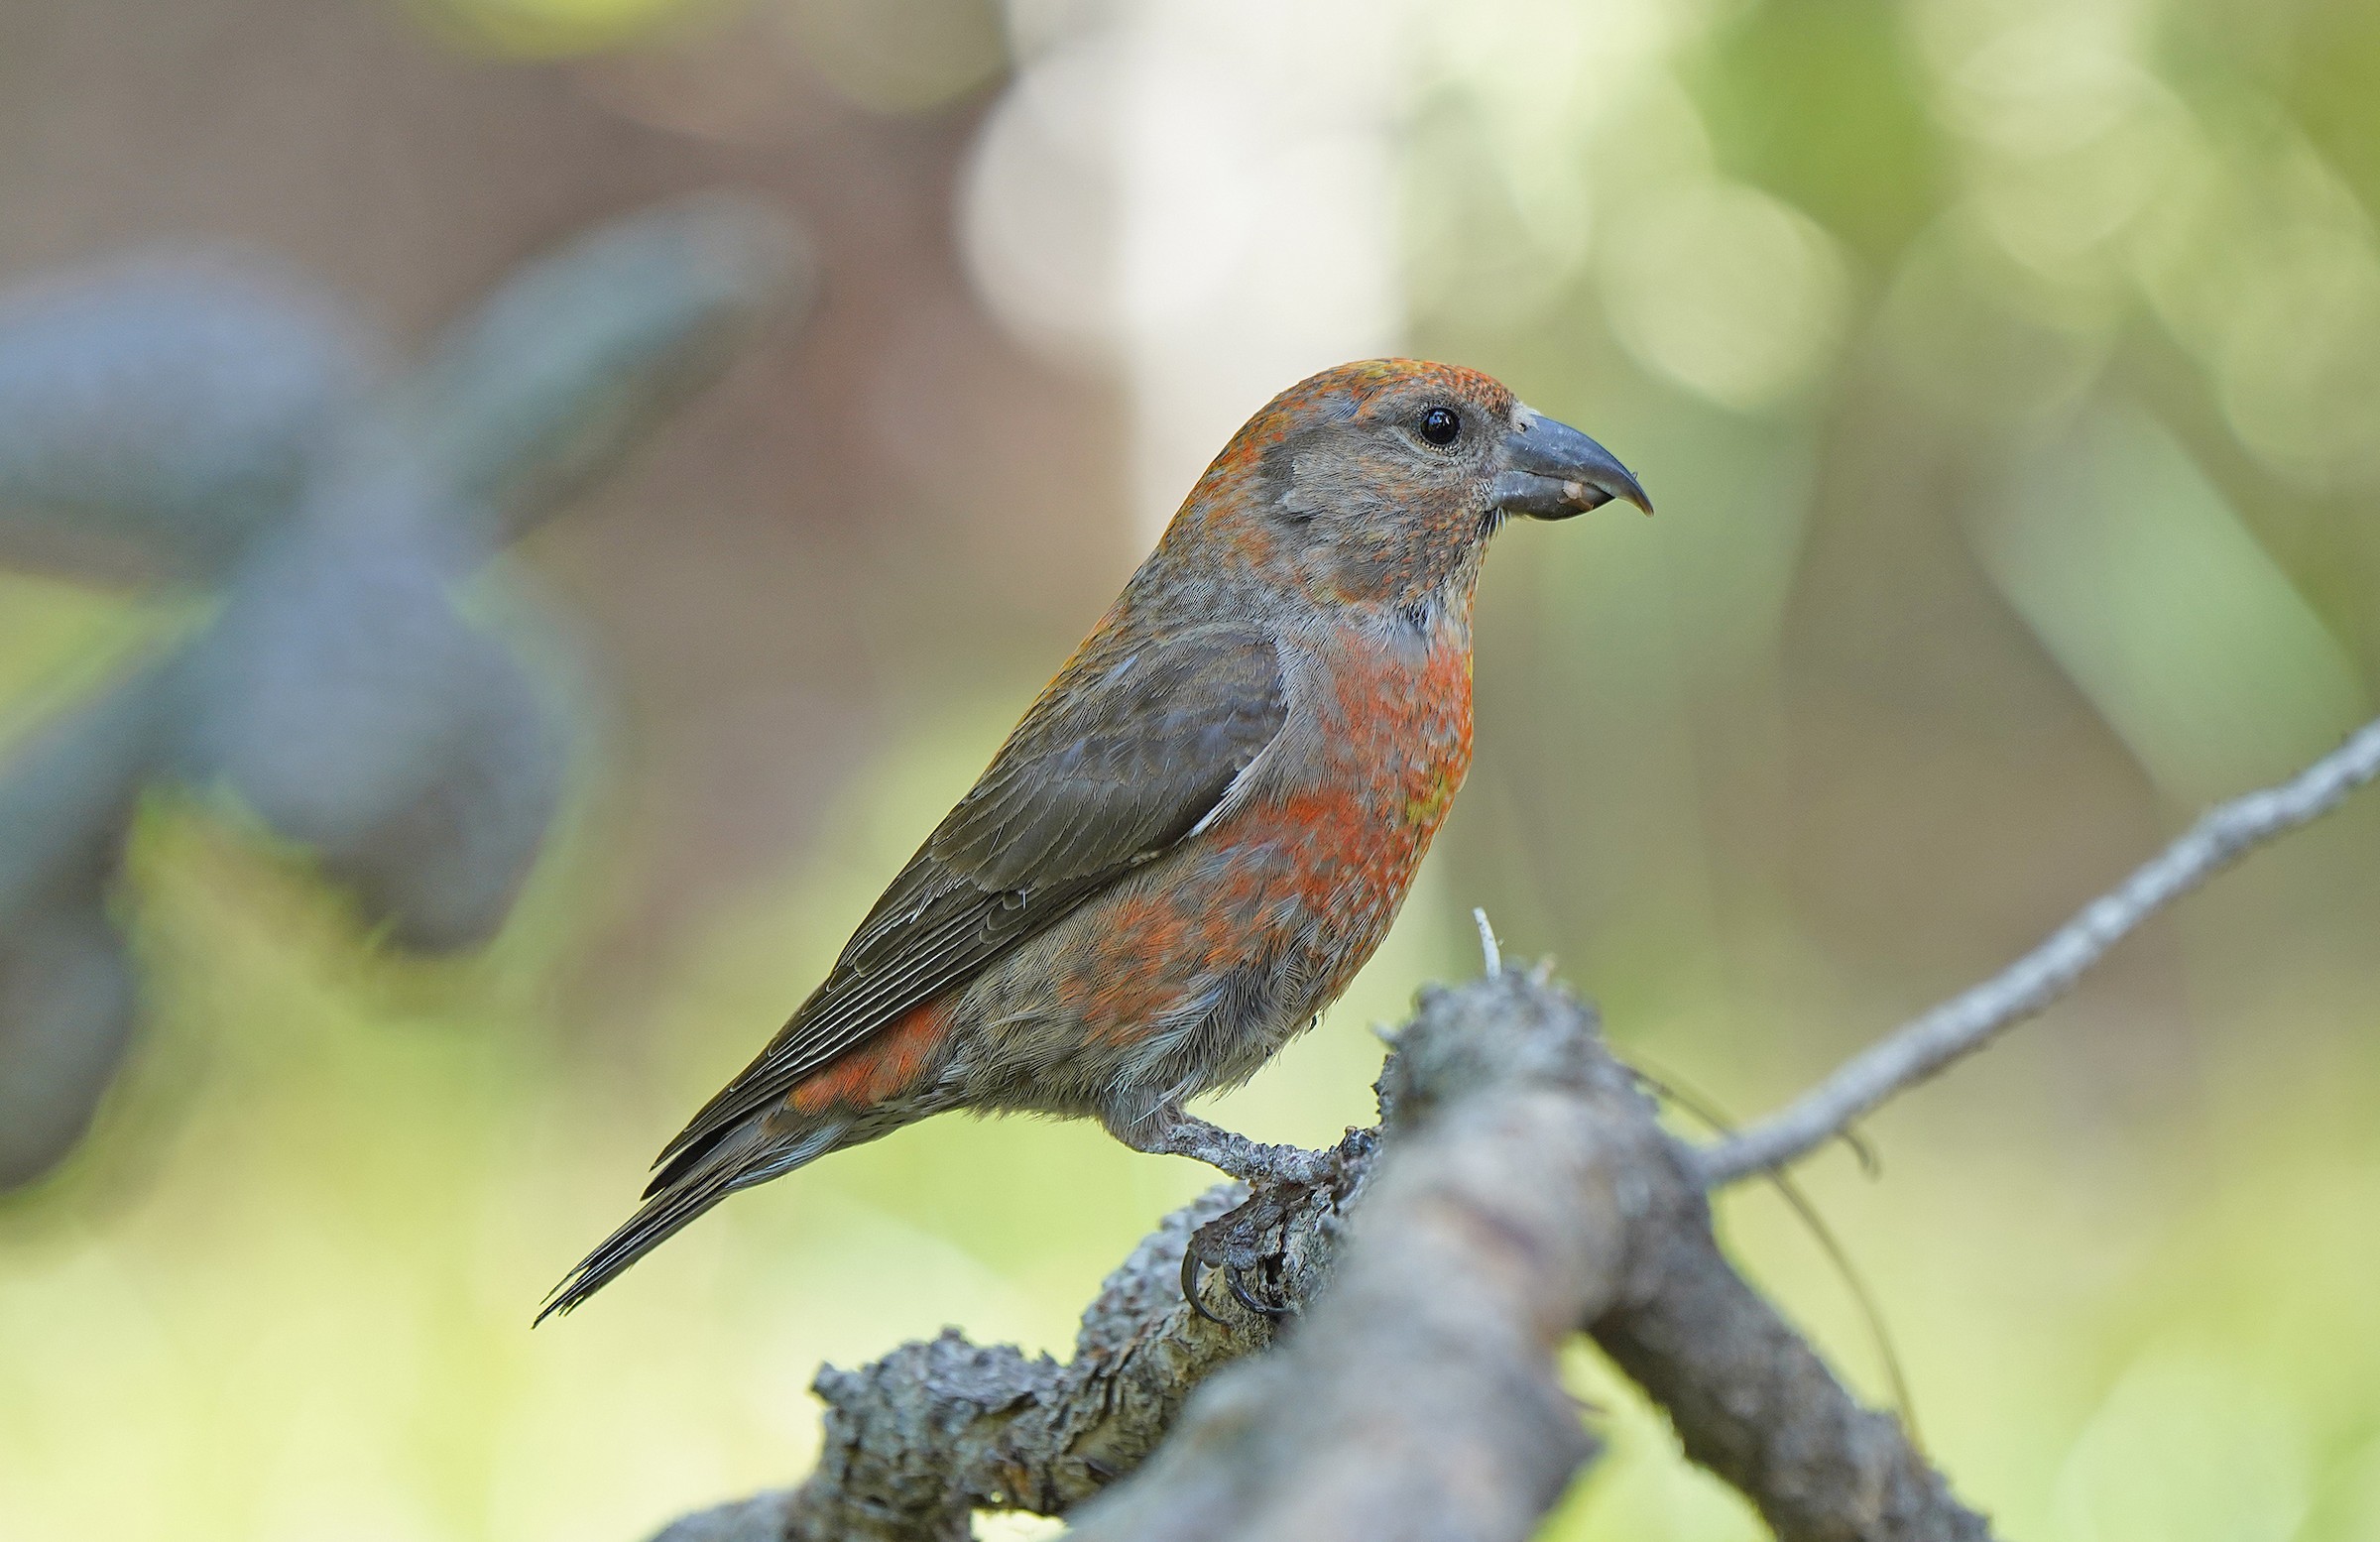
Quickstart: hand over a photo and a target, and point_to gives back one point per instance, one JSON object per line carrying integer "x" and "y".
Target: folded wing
{"x": 1120, "y": 761}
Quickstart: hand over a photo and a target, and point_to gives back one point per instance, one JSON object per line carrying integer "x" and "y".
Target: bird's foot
{"x": 1247, "y": 1243}
{"x": 1243, "y": 1244}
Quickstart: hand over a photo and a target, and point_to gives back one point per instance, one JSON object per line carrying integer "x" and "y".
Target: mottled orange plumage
{"x": 1202, "y": 828}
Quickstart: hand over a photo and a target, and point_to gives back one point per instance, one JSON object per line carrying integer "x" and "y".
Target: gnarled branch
{"x": 917, "y": 1441}
{"x": 1523, "y": 1191}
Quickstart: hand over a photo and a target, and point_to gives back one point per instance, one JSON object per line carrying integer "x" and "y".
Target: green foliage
{"x": 1819, "y": 103}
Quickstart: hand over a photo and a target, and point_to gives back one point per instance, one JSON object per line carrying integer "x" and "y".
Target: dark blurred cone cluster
{"x": 221, "y": 433}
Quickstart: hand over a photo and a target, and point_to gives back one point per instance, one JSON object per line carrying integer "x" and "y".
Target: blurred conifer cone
{"x": 208, "y": 426}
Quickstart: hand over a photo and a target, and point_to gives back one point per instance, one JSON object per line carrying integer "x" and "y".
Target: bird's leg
{"x": 1171, "y": 1133}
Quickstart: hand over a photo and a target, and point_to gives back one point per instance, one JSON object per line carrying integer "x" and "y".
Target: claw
{"x": 1191, "y": 1293}
{"x": 1194, "y": 1277}
{"x": 1236, "y": 1240}
{"x": 1242, "y": 1294}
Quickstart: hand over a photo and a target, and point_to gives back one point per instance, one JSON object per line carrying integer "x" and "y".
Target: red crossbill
{"x": 1204, "y": 826}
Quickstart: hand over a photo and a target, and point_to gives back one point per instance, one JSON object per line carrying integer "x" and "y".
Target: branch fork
{"x": 1521, "y": 1189}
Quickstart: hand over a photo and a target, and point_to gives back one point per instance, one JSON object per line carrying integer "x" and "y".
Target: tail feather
{"x": 688, "y": 1185}
{"x": 674, "y": 1167}
{"x": 655, "y": 1221}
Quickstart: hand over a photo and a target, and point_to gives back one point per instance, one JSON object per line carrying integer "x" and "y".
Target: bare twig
{"x": 1526, "y": 1191}
{"x": 1957, "y": 1027}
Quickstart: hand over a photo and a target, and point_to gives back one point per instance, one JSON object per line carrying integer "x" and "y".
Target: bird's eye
{"x": 1440, "y": 425}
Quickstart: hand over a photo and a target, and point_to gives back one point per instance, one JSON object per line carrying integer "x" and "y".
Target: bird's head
{"x": 1382, "y": 481}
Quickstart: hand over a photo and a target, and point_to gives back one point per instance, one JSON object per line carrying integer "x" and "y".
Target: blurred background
{"x": 482, "y": 611}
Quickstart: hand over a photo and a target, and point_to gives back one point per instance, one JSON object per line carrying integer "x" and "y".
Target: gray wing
{"x": 1121, "y": 758}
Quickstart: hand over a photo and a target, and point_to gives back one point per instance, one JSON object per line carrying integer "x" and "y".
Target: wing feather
{"x": 1121, "y": 758}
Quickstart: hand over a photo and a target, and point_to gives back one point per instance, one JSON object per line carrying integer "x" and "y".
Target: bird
{"x": 1198, "y": 831}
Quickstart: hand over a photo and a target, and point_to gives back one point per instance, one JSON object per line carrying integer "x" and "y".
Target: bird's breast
{"x": 1381, "y": 750}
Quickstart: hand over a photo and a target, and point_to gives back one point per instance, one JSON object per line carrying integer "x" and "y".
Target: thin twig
{"x": 1964, "y": 1024}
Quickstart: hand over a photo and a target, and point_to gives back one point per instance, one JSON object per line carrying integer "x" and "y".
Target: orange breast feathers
{"x": 1407, "y": 732}
{"x": 1395, "y": 747}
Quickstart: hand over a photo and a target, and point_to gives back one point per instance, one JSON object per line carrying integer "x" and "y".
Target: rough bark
{"x": 1521, "y": 1190}
{"x": 1525, "y": 1190}
{"x": 1752, "y": 1402}
{"x": 915, "y": 1442}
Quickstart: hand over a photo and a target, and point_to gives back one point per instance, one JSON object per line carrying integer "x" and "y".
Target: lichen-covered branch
{"x": 1523, "y": 1190}
{"x": 1926, "y": 1044}
{"x": 919, "y": 1440}
{"x": 1419, "y": 1396}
